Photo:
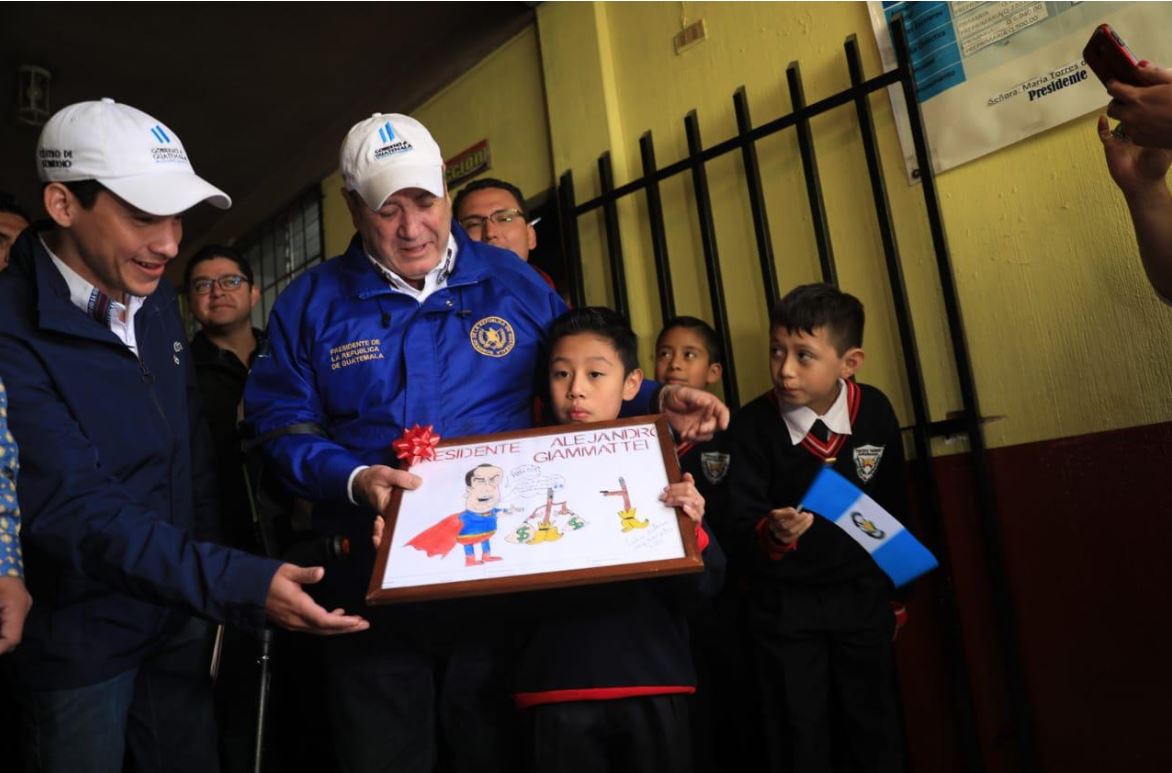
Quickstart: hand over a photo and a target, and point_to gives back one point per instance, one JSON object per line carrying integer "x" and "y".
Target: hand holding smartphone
{"x": 1110, "y": 59}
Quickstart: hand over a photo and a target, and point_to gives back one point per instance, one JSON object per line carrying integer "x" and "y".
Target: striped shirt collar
{"x": 119, "y": 317}
{"x": 799, "y": 419}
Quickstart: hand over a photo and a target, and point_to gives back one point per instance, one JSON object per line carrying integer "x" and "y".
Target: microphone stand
{"x": 266, "y": 645}
{"x": 268, "y": 542}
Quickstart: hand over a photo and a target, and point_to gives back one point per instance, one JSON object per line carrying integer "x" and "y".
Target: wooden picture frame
{"x": 544, "y": 508}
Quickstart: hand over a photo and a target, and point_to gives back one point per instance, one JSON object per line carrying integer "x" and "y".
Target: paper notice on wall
{"x": 991, "y": 74}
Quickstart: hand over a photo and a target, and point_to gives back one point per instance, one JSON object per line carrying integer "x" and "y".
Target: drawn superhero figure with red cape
{"x": 475, "y": 525}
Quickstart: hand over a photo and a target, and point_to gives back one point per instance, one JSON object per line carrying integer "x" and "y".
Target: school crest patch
{"x": 867, "y": 461}
{"x": 493, "y": 337}
{"x": 714, "y": 465}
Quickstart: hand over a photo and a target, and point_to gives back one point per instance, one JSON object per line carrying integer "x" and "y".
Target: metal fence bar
{"x": 711, "y": 257}
{"x": 797, "y": 97}
{"x": 756, "y": 199}
{"x": 614, "y": 241}
{"x": 1007, "y": 630}
{"x": 764, "y": 130}
{"x": 935, "y": 531}
{"x": 571, "y": 247}
{"x": 667, "y": 300}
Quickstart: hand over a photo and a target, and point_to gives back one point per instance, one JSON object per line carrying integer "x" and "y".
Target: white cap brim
{"x": 377, "y": 188}
{"x": 167, "y": 194}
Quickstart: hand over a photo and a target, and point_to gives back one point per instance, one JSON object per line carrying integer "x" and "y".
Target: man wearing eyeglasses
{"x": 221, "y": 295}
{"x": 493, "y": 211}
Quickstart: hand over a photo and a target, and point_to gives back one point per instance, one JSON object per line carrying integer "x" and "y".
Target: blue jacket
{"x": 115, "y": 476}
{"x": 351, "y": 362}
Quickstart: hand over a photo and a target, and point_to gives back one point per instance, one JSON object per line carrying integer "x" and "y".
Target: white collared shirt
{"x": 799, "y": 419}
{"x": 83, "y": 295}
{"x": 436, "y": 279}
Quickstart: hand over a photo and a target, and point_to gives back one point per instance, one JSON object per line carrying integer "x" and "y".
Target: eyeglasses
{"x": 226, "y": 283}
{"x": 500, "y": 217}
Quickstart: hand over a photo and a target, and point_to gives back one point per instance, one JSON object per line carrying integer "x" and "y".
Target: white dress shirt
{"x": 799, "y": 419}
{"x": 84, "y": 295}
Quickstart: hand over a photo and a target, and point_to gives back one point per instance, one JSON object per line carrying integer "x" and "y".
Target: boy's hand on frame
{"x": 685, "y": 496}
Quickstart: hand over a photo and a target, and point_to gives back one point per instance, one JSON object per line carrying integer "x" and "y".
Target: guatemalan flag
{"x": 893, "y": 547}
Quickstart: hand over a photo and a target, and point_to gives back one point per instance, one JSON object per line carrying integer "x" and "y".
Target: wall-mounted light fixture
{"x": 32, "y": 94}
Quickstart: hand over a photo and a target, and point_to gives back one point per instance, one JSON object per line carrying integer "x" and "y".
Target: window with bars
{"x": 282, "y": 248}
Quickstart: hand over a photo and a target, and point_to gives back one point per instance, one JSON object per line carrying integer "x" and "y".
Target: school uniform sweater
{"x": 767, "y": 470}
{"x": 615, "y": 640}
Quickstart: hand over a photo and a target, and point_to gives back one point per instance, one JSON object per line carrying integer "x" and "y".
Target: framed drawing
{"x": 543, "y": 508}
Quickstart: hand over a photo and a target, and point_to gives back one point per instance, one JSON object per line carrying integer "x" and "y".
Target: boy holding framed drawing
{"x": 604, "y": 680}
{"x": 605, "y": 671}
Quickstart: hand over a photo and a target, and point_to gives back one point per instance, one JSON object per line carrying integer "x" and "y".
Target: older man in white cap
{"x": 414, "y": 324}
{"x": 116, "y": 482}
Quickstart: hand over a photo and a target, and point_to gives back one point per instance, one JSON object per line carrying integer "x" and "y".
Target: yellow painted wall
{"x": 337, "y": 228}
{"x": 501, "y": 98}
{"x": 1066, "y": 337}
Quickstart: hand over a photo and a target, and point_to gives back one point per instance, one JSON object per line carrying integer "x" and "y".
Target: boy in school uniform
{"x": 604, "y": 678}
{"x": 819, "y": 607}
{"x": 723, "y": 713}
{"x": 687, "y": 352}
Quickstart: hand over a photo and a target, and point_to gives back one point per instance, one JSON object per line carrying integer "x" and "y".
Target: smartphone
{"x": 1110, "y": 59}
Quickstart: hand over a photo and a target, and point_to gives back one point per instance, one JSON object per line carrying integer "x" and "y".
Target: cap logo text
{"x": 52, "y": 158}
{"x": 391, "y": 145}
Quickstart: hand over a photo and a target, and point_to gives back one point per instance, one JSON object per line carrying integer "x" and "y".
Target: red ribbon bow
{"x": 416, "y": 445}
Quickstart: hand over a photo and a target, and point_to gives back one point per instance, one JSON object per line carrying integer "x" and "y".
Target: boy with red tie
{"x": 819, "y": 611}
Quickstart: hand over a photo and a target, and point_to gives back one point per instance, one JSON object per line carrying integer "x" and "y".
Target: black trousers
{"x": 725, "y": 711}
{"x": 826, "y": 673}
{"x": 408, "y": 704}
{"x": 632, "y": 735}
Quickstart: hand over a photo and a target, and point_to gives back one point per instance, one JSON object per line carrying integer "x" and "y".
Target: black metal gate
{"x": 965, "y": 422}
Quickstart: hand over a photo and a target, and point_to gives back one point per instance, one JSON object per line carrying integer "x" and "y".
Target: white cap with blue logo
{"x": 136, "y": 157}
{"x": 389, "y": 152}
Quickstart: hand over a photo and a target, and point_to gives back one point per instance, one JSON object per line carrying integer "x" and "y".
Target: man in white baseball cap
{"x": 132, "y": 155}
{"x": 415, "y": 323}
{"x": 392, "y": 166}
{"x": 117, "y": 482}
{"x": 389, "y": 325}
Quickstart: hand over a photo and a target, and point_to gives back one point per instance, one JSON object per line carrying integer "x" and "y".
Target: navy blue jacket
{"x": 115, "y": 478}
